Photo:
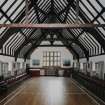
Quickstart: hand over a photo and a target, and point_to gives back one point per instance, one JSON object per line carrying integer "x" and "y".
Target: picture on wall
{"x": 66, "y": 62}
{"x": 35, "y": 62}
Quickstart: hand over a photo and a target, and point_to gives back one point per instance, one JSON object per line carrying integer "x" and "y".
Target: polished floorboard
{"x": 49, "y": 91}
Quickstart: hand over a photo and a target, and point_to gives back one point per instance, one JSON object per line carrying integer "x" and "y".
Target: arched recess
{"x": 70, "y": 48}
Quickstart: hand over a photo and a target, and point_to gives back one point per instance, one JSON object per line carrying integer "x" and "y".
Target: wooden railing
{"x": 36, "y": 71}
{"x": 96, "y": 86}
{"x": 8, "y": 82}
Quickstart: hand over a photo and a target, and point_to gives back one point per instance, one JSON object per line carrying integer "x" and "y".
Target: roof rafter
{"x": 93, "y": 32}
{"x": 11, "y": 31}
{"x": 78, "y": 42}
{"x": 35, "y": 45}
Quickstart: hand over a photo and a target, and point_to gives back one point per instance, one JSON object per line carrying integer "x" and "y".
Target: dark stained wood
{"x": 50, "y": 91}
{"x": 26, "y": 3}
{"x": 93, "y": 84}
{"x": 51, "y": 26}
{"x": 34, "y": 73}
{"x": 77, "y": 11}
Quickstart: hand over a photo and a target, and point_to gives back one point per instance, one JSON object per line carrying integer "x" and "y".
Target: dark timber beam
{"x": 77, "y": 11}
{"x": 52, "y": 46}
{"x": 86, "y": 52}
{"x": 77, "y": 41}
{"x": 68, "y": 46}
{"x": 26, "y": 2}
{"x": 31, "y": 34}
{"x": 54, "y": 39}
{"x": 42, "y": 37}
{"x": 36, "y": 44}
{"x": 91, "y": 30}
{"x": 10, "y": 20}
{"x": 11, "y": 31}
{"x": 36, "y": 10}
{"x": 52, "y": 26}
{"x": 66, "y": 8}
{"x": 24, "y": 44}
{"x": 96, "y": 36}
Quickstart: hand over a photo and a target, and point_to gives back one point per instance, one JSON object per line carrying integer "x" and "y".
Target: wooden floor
{"x": 49, "y": 91}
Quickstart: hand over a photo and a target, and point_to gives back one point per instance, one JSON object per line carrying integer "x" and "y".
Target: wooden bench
{"x": 96, "y": 86}
{"x": 7, "y": 83}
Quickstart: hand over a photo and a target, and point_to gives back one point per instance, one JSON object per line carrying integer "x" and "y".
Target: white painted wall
{"x": 10, "y": 61}
{"x": 94, "y": 60}
{"x": 38, "y": 54}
